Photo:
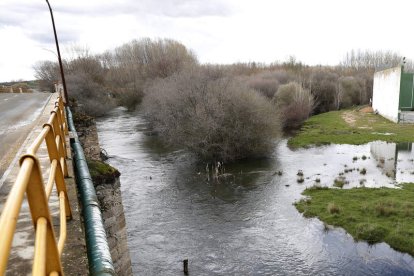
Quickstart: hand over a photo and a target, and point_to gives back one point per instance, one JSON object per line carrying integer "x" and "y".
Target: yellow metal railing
{"x": 29, "y": 181}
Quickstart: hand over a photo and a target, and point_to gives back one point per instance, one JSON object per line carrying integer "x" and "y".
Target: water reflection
{"x": 244, "y": 223}
{"x": 394, "y": 160}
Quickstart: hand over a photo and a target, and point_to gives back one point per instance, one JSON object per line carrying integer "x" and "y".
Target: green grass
{"x": 330, "y": 128}
{"x": 370, "y": 214}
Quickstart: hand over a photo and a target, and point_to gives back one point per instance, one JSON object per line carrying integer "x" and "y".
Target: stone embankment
{"x": 107, "y": 185}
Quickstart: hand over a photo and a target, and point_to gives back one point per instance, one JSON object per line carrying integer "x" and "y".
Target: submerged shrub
{"x": 295, "y": 102}
{"x": 214, "y": 117}
{"x": 339, "y": 182}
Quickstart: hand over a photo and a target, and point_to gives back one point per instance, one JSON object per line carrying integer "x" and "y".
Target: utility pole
{"x": 59, "y": 58}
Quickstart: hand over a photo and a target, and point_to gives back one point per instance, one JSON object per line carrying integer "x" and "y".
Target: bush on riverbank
{"x": 91, "y": 97}
{"x": 214, "y": 117}
{"x": 295, "y": 102}
{"x": 370, "y": 214}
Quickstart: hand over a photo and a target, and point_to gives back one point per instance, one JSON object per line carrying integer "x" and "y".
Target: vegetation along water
{"x": 244, "y": 222}
{"x": 209, "y": 172}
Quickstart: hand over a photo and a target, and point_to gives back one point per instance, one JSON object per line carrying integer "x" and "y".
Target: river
{"x": 244, "y": 224}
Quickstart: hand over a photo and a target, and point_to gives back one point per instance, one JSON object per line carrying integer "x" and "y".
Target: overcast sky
{"x": 218, "y": 31}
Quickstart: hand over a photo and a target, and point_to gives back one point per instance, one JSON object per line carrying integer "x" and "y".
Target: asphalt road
{"x": 18, "y": 113}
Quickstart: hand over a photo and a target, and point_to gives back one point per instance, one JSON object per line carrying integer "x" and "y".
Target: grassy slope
{"x": 330, "y": 127}
{"x": 369, "y": 214}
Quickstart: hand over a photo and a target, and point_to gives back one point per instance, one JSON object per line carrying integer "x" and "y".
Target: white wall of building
{"x": 386, "y": 93}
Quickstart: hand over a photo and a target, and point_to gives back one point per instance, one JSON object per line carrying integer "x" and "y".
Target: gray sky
{"x": 218, "y": 31}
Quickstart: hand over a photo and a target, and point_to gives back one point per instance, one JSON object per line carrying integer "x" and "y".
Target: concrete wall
{"x": 386, "y": 93}
{"x": 110, "y": 199}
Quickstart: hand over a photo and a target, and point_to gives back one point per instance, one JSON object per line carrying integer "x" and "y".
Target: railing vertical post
{"x": 57, "y": 122}
{"x": 11, "y": 211}
{"x": 59, "y": 178}
{"x": 38, "y": 203}
{"x": 39, "y": 262}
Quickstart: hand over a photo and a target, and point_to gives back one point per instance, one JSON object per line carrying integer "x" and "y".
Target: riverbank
{"x": 371, "y": 214}
{"x": 351, "y": 126}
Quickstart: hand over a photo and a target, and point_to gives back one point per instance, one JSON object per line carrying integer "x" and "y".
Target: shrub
{"x": 216, "y": 118}
{"x": 129, "y": 96}
{"x": 91, "y": 98}
{"x": 295, "y": 102}
{"x": 350, "y": 92}
{"x": 339, "y": 182}
{"x": 385, "y": 208}
{"x": 370, "y": 232}
{"x": 266, "y": 86}
{"x": 333, "y": 208}
{"x": 268, "y": 82}
{"x": 323, "y": 85}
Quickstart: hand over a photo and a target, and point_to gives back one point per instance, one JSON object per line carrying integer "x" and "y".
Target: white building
{"x": 393, "y": 94}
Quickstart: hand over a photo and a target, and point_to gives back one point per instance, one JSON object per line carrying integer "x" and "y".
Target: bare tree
{"x": 47, "y": 72}
{"x": 132, "y": 65}
{"x": 374, "y": 60}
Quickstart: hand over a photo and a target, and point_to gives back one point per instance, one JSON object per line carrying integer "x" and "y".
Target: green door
{"x": 406, "y": 92}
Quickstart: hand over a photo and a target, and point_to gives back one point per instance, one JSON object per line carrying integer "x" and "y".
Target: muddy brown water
{"x": 245, "y": 223}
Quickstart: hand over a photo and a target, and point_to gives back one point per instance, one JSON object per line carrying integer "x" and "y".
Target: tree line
{"x": 218, "y": 112}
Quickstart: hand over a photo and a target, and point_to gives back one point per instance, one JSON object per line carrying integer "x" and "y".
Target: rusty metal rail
{"x": 29, "y": 181}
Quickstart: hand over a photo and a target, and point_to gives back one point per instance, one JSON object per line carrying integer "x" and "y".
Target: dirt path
{"x": 349, "y": 117}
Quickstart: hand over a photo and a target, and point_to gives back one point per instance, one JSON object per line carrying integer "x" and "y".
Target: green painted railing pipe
{"x": 69, "y": 117}
{"x": 99, "y": 256}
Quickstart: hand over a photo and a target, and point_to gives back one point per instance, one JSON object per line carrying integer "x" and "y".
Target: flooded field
{"x": 245, "y": 223}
